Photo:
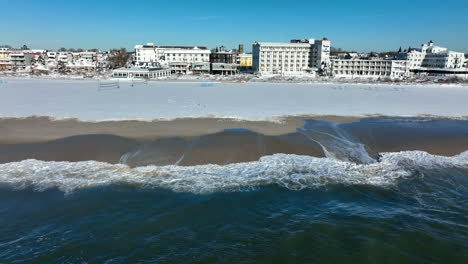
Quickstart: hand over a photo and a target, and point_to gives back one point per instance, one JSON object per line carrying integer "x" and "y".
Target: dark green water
{"x": 420, "y": 218}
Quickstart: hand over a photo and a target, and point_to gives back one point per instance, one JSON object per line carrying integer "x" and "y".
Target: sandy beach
{"x": 187, "y": 123}
{"x": 221, "y": 141}
{"x": 40, "y": 129}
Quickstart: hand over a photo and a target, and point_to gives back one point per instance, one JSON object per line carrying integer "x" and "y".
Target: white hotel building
{"x": 429, "y": 56}
{"x": 370, "y": 68}
{"x": 178, "y": 58}
{"x": 320, "y": 53}
{"x": 295, "y": 58}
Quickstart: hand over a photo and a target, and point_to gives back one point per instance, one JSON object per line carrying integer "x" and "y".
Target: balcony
{"x": 17, "y": 58}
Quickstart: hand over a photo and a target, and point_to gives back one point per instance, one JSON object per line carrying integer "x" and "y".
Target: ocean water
{"x": 350, "y": 206}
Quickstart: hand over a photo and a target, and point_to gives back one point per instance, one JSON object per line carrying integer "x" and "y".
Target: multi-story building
{"x": 88, "y": 55}
{"x": 51, "y": 59}
{"x": 414, "y": 57}
{"x": 146, "y": 53}
{"x": 201, "y": 67}
{"x": 81, "y": 65}
{"x": 294, "y": 58}
{"x": 82, "y": 61}
{"x": 223, "y": 62}
{"x": 223, "y": 68}
{"x": 36, "y": 56}
{"x": 244, "y": 61}
{"x": 223, "y": 56}
{"x": 5, "y": 59}
{"x": 431, "y": 56}
{"x": 370, "y": 68}
{"x": 320, "y": 53}
{"x": 179, "y": 58}
{"x": 280, "y": 58}
{"x": 84, "y": 55}
{"x": 65, "y": 57}
{"x": 20, "y": 60}
{"x": 51, "y": 55}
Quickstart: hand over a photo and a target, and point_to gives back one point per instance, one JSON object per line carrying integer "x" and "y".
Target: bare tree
{"x": 61, "y": 67}
{"x": 41, "y": 60}
{"x": 388, "y": 54}
{"x": 118, "y": 58}
{"x": 33, "y": 61}
{"x": 335, "y": 51}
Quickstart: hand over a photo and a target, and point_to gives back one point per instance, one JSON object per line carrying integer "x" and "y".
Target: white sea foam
{"x": 421, "y": 159}
{"x": 335, "y": 142}
{"x": 290, "y": 171}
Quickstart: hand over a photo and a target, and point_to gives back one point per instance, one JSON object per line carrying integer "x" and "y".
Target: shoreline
{"x": 37, "y": 129}
{"x": 184, "y": 123}
{"x": 33, "y": 129}
{"x": 199, "y": 141}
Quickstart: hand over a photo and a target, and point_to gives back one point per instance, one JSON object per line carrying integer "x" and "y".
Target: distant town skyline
{"x": 362, "y": 26}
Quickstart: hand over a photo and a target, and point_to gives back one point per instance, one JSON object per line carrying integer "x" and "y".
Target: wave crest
{"x": 290, "y": 171}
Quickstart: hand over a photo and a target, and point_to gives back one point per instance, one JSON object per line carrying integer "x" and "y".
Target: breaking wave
{"x": 289, "y": 171}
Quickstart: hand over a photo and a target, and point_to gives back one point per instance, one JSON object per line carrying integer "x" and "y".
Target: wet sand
{"x": 43, "y": 129}
{"x": 221, "y": 148}
{"x": 105, "y": 148}
{"x": 221, "y": 141}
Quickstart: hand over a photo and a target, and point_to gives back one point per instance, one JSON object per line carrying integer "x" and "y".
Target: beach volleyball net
{"x": 108, "y": 85}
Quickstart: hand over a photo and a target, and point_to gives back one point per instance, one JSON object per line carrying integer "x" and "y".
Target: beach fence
{"x": 108, "y": 85}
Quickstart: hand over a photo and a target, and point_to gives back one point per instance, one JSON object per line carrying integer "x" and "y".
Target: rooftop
{"x": 245, "y": 55}
{"x": 136, "y": 69}
{"x": 282, "y": 44}
{"x": 152, "y": 46}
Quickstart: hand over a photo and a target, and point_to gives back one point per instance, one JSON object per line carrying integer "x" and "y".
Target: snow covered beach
{"x": 250, "y": 101}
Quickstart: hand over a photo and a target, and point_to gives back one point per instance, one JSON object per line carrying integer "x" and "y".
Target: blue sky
{"x": 361, "y": 25}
